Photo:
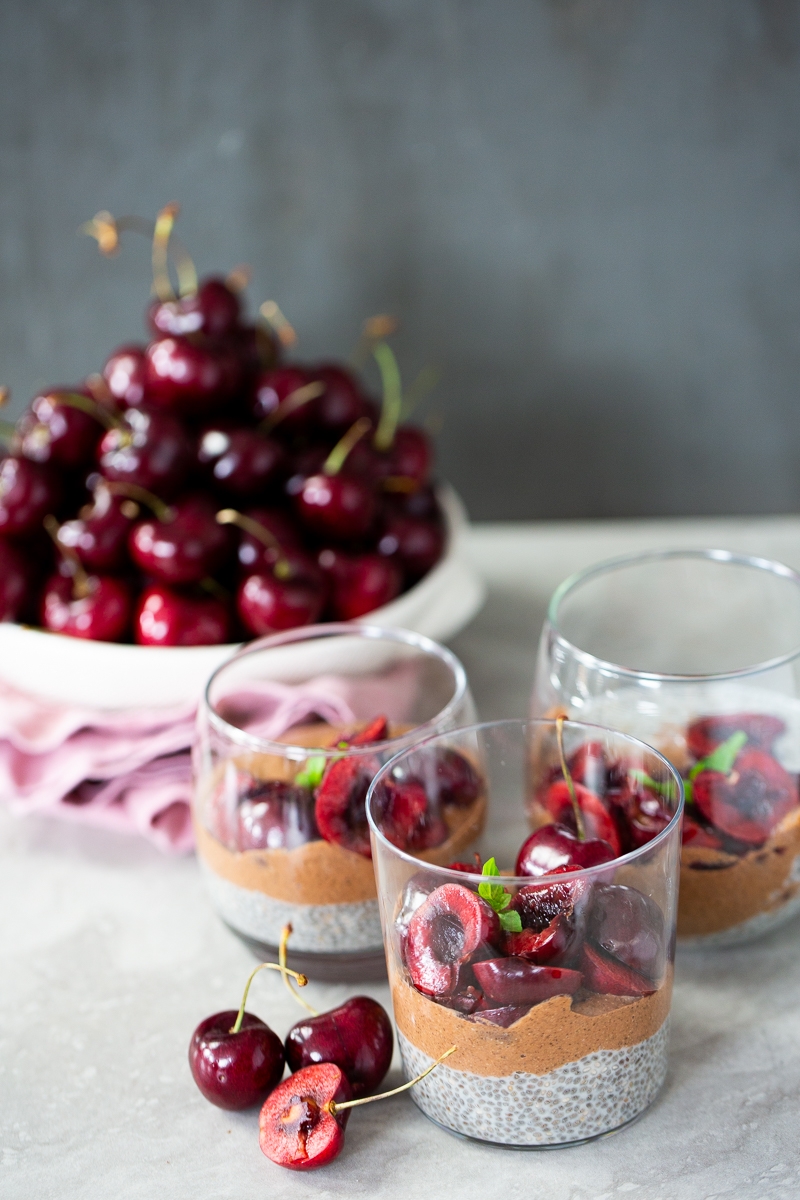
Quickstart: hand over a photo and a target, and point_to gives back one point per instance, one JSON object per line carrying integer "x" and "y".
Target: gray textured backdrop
{"x": 585, "y": 212}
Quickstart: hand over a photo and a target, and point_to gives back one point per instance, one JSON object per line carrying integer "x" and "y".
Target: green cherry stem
{"x": 576, "y": 808}
{"x": 301, "y": 981}
{"x": 286, "y": 933}
{"x": 106, "y": 230}
{"x": 332, "y": 1106}
{"x": 392, "y": 396}
{"x": 141, "y": 495}
{"x": 336, "y": 459}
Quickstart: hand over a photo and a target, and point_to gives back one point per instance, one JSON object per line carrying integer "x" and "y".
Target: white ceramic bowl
{"x": 108, "y": 675}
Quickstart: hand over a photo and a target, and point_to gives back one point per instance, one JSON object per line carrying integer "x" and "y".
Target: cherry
{"x": 28, "y": 491}
{"x": 15, "y": 582}
{"x": 240, "y": 461}
{"x": 164, "y": 617}
{"x": 505, "y": 1016}
{"x": 273, "y": 389}
{"x": 694, "y": 834}
{"x": 252, "y": 551}
{"x": 706, "y": 733}
{"x": 124, "y": 373}
{"x": 340, "y": 808}
{"x": 338, "y": 506}
{"x": 187, "y": 377}
{"x": 643, "y": 814}
{"x": 599, "y": 823}
{"x": 303, "y": 465}
{"x": 62, "y": 427}
{"x": 362, "y": 583}
{"x": 420, "y": 503}
{"x": 608, "y": 976}
{"x": 751, "y": 801}
{"x": 457, "y": 781}
{"x": 150, "y": 450}
{"x": 99, "y": 610}
{"x": 589, "y": 767}
{"x": 342, "y": 402}
{"x": 268, "y": 604}
{"x": 417, "y": 543}
{"x": 99, "y": 534}
{"x": 405, "y": 817}
{"x": 554, "y": 846}
{"x": 214, "y": 309}
{"x": 514, "y": 981}
{"x": 410, "y": 455}
{"x": 629, "y": 926}
{"x": 183, "y": 545}
{"x": 297, "y": 1128}
{"x": 549, "y": 920}
{"x": 276, "y": 815}
{"x": 444, "y": 932}
{"x": 356, "y": 1036}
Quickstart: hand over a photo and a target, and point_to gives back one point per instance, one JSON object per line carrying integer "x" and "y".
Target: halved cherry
{"x": 457, "y": 780}
{"x": 376, "y": 731}
{"x": 597, "y": 819}
{"x": 515, "y": 981}
{"x": 445, "y": 931}
{"x": 751, "y": 801}
{"x": 628, "y": 925}
{"x": 706, "y": 733}
{"x": 504, "y": 1017}
{"x": 694, "y": 834}
{"x": 642, "y": 814}
{"x": 340, "y": 804}
{"x": 296, "y": 1128}
{"x": 608, "y": 976}
{"x": 549, "y": 921}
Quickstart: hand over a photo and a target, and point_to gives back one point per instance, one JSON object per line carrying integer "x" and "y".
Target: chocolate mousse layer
{"x": 558, "y": 1031}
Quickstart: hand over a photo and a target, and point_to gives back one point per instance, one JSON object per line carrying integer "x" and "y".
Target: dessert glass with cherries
{"x": 290, "y": 733}
{"x": 698, "y": 654}
{"x": 544, "y": 957}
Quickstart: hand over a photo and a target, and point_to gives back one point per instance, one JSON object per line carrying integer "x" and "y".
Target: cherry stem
{"x": 239, "y": 278}
{"x": 272, "y": 314}
{"x": 5, "y": 395}
{"x": 286, "y": 933}
{"x": 332, "y": 1107}
{"x": 81, "y": 586}
{"x": 230, "y": 516}
{"x": 301, "y": 982}
{"x": 105, "y": 229}
{"x": 87, "y": 405}
{"x": 374, "y": 329}
{"x": 392, "y": 396}
{"x": 336, "y": 459}
{"x": 425, "y": 382}
{"x": 576, "y": 808}
{"x": 295, "y": 400}
{"x": 134, "y": 492}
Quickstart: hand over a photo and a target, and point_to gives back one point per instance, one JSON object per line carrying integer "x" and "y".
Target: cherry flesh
{"x": 103, "y": 615}
{"x": 296, "y": 1127}
{"x": 165, "y": 617}
{"x": 608, "y": 976}
{"x": 555, "y": 846}
{"x": 340, "y": 802}
{"x": 443, "y": 934}
{"x": 235, "y": 1070}
{"x": 751, "y": 801}
{"x": 356, "y": 1036}
{"x": 28, "y": 491}
{"x": 705, "y": 734}
{"x": 184, "y": 549}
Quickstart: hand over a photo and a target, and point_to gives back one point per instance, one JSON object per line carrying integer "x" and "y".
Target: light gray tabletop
{"x": 110, "y": 954}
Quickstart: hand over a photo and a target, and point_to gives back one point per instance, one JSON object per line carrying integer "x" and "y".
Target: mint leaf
{"x": 723, "y": 757}
{"x": 495, "y": 894}
{"x": 510, "y": 922}
{"x": 661, "y": 787}
{"x": 311, "y": 775}
{"x": 490, "y": 867}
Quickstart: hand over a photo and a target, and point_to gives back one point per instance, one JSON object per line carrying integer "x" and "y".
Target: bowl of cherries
{"x": 204, "y": 489}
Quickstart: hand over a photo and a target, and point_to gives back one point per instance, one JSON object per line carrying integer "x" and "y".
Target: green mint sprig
{"x": 721, "y": 758}
{"x": 499, "y": 899}
{"x": 311, "y": 775}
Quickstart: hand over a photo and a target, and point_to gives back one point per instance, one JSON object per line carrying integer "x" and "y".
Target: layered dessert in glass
{"x": 698, "y": 654}
{"x": 290, "y": 734}
{"x": 544, "y": 957}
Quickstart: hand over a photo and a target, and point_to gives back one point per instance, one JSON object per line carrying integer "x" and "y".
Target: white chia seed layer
{"x": 580, "y": 1100}
{"x": 747, "y": 931}
{"x": 316, "y": 928}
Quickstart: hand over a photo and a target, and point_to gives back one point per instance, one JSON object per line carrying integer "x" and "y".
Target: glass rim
{"x": 725, "y": 557}
{"x": 333, "y": 629}
{"x": 526, "y": 880}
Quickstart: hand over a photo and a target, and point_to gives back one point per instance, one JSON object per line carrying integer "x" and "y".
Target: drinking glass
{"x": 289, "y": 734}
{"x": 698, "y": 654}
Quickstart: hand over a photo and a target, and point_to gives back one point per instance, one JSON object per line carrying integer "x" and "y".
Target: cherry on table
{"x": 356, "y": 1036}
{"x": 28, "y": 491}
{"x": 235, "y": 1070}
{"x": 166, "y": 617}
{"x": 296, "y": 1126}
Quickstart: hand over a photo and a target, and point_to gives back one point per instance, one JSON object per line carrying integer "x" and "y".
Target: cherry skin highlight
{"x": 166, "y": 617}
{"x": 235, "y": 1070}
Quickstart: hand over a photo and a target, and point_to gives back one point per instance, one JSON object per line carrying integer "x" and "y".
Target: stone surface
{"x": 110, "y": 955}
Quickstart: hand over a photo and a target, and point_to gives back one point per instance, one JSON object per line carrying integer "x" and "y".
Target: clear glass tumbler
{"x": 289, "y": 735}
{"x": 553, "y": 981}
{"x": 698, "y": 654}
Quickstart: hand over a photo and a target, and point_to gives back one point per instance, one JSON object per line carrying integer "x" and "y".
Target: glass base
{"x": 361, "y": 966}
{"x": 595, "y": 1137}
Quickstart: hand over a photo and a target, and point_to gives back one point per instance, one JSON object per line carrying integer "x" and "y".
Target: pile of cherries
{"x": 327, "y": 800}
{"x": 491, "y": 952}
{"x": 737, "y": 792}
{"x": 200, "y": 490}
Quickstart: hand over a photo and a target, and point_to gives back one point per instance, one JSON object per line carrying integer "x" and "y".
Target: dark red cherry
{"x": 302, "y": 466}
{"x": 356, "y": 1036}
{"x": 272, "y": 388}
{"x": 191, "y": 378}
{"x": 642, "y": 813}
{"x": 55, "y": 431}
{"x": 705, "y": 734}
{"x": 445, "y": 931}
{"x": 341, "y": 506}
{"x": 28, "y": 491}
{"x": 420, "y": 503}
{"x": 16, "y": 582}
{"x": 515, "y": 981}
{"x": 151, "y": 450}
{"x": 240, "y": 462}
{"x": 99, "y": 534}
{"x": 340, "y": 810}
{"x": 588, "y": 766}
{"x": 609, "y": 976}
{"x": 417, "y": 543}
{"x": 124, "y": 373}
{"x": 597, "y": 819}
{"x": 696, "y": 835}
{"x": 457, "y": 781}
{"x": 342, "y": 402}
{"x": 549, "y": 915}
{"x": 185, "y": 548}
{"x": 362, "y": 583}
{"x": 165, "y": 617}
{"x": 296, "y": 1128}
{"x": 252, "y": 553}
{"x": 629, "y": 926}
{"x": 235, "y": 1070}
{"x": 554, "y": 846}
{"x": 751, "y": 801}
{"x": 406, "y": 819}
{"x": 213, "y": 310}
{"x": 101, "y": 616}
{"x": 276, "y": 815}
{"x": 267, "y": 603}
{"x": 410, "y": 455}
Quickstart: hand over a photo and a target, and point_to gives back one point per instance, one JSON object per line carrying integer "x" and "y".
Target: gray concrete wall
{"x": 585, "y": 212}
